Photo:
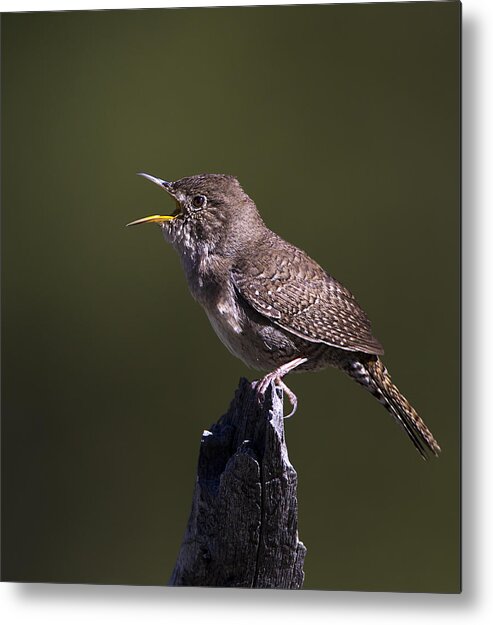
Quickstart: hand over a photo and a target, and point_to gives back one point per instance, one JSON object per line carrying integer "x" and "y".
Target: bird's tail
{"x": 373, "y": 375}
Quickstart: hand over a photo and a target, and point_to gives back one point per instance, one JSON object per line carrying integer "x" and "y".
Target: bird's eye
{"x": 198, "y": 201}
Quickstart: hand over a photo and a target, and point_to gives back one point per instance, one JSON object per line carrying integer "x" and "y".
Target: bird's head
{"x": 212, "y": 214}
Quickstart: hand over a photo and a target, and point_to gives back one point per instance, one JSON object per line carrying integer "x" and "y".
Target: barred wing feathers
{"x": 288, "y": 287}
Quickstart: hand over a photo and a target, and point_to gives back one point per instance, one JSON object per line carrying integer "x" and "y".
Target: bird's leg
{"x": 277, "y": 375}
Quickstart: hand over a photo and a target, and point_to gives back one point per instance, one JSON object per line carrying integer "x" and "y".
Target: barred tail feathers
{"x": 373, "y": 375}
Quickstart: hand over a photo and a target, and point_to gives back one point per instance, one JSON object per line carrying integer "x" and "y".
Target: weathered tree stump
{"x": 243, "y": 527}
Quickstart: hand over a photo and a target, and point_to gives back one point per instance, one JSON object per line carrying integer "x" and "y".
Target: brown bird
{"x": 272, "y": 305}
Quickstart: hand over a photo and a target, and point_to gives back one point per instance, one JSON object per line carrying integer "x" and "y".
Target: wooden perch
{"x": 243, "y": 527}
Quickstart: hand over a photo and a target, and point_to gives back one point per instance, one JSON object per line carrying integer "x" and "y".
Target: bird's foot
{"x": 277, "y": 376}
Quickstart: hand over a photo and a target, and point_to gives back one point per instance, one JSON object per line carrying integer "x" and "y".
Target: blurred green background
{"x": 342, "y": 122}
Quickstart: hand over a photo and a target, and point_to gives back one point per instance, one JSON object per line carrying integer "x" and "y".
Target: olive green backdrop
{"x": 342, "y": 122}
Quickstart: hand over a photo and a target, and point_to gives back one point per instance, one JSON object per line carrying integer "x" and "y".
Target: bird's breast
{"x": 253, "y": 338}
{"x": 249, "y": 336}
{"x": 227, "y": 319}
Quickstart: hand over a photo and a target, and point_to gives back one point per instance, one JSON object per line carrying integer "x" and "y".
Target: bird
{"x": 269, "y": 302}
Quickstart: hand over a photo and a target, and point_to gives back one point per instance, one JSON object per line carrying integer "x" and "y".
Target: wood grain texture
{"x": 243, "y": 527}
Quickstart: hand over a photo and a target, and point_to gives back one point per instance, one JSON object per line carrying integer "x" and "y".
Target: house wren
{"x": 272, "y": 305}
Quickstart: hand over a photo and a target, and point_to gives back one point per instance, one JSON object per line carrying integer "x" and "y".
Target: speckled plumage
{"x": 285, "y": 285}
{"x": 269, "y": 302}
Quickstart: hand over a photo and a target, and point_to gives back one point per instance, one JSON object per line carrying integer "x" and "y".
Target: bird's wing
{"x": 298, "y": 295}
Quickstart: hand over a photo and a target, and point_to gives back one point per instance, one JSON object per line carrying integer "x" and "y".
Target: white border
{"x": 61, "y": 604}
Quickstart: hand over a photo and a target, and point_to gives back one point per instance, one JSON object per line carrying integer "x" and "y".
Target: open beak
{"x": 157, "y": 219}
{"x": 153, "y": 219}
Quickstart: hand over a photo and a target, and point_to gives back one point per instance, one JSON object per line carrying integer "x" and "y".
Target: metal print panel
{"x": 307, "y": 170}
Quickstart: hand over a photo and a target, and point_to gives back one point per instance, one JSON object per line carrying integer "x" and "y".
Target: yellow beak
{"x": 153, "y": 219}
{"x": 157, "y": 219}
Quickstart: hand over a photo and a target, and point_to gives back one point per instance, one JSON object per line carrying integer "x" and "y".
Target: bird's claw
{"x": 293, "y": 400}
{"x": 276, "y": 376}
{"x": 264, "y": 384}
